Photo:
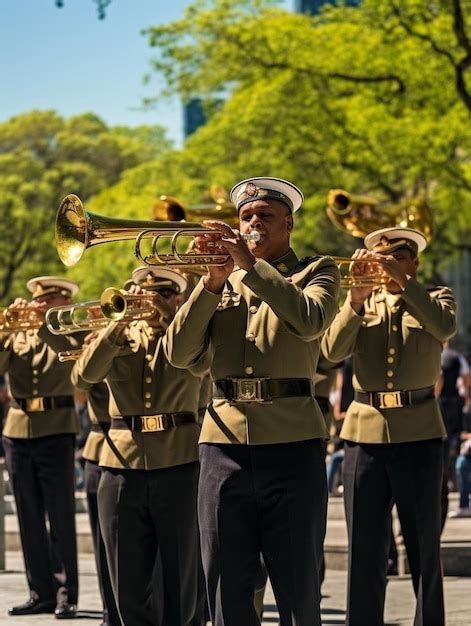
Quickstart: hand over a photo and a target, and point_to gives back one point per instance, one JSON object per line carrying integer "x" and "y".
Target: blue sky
{"x": 68, "y": 60}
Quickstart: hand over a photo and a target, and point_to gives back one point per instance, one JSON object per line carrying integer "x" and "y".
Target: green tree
{"x": 43, "y": 157}
{"x": 374, "y": 99}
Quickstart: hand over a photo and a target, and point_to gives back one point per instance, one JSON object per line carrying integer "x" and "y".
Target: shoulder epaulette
{"x": 438, "y": 288}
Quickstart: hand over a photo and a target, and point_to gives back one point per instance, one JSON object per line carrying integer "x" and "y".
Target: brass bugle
{"x": 374, "y": 277}
{"x": 70, "y": 355}
{"x": 73, "y": 318}
{"x": 14, "y": 319}
{"x": 78, "y": 229}
{"x": 120, "y": 306}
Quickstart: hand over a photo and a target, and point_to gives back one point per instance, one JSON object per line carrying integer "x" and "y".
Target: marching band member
{"x": 393, "y": 429}
{"x": 39, "y": 439}
{"x": 149, "y": 460}
{"x": 262, "y": 482}
{"x": 97, "y": 403}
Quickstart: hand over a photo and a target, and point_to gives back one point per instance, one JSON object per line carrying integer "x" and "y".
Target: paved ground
{"x": 399, "y": 607}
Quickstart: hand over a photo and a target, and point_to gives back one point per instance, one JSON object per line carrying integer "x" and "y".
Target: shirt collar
{"x": 286, "y": 263}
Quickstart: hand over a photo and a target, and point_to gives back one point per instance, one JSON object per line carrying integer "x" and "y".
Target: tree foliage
{"x": 374, "y": 99}
{"x": 43, "y": 157}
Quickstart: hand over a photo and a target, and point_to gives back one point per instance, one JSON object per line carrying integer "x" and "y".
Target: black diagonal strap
{"x": 271, "y": 388}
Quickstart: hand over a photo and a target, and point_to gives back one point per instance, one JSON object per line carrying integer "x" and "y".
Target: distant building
{"x": 193, "y": 117}
{"x": 314, "y": 6}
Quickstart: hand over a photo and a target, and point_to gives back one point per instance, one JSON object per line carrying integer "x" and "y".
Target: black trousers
{"x": 42, "y": 477}
{"x": 375, "y": 476}
{"x": 92, "y": 479}
{"x": 269, "y": 499}
{"x": 143, "y": 515}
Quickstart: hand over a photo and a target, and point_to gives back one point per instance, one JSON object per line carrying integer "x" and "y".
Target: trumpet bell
{"x": 78, "y": 229}
{"x": 113, "y": 304}
{"x": 72, "y": 233}
{"x": 118, "y": 305}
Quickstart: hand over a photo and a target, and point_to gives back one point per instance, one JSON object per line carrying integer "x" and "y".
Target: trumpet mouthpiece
{"x": 253, "y": 236}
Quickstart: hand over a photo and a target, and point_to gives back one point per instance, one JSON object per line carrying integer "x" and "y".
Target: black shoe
{"x": 32, "y": 607}
{"x": 64, "y": 610}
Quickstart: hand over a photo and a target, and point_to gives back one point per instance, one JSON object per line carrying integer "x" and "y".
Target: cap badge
{"x": 251, "y": 189}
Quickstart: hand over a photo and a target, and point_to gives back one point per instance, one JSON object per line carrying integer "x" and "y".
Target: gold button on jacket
{"x": 292, "y": 315}
{"x": 424, "y": 320}
{"x": 34, "y": 354}
{"x": 124, "y": 368}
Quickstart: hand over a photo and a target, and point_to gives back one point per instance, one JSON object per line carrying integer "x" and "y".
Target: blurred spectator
{"x": 463, "y": 474}
{"x": 454, "y": 392}
{"x": 343, "y": 397}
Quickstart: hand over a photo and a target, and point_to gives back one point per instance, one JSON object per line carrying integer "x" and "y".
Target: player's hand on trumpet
{"x": 360, "y": 269}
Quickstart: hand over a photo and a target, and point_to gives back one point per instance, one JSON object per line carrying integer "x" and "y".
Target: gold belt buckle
{"x": 152, "y": 423}
{"x": 390, "y": 400}
{"x": 248, "y": 389}
{"x": 35, "y": 405}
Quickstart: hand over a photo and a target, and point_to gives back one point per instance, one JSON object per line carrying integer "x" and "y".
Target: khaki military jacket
{"x": 30, "y": 359}
{"x": 266, "y": 323}
{"x": 98, "y": 399}
{"x": 396, "y": 345}
{"x": 141, "y": 381}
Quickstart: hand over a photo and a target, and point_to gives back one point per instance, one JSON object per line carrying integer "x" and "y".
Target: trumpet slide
{"x": 72, "y": 318}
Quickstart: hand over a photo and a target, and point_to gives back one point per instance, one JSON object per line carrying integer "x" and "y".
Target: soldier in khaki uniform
{"x": 147, "y": 492}
{"x": 262, "y": 483}
{"x": 39, "y": 439}
{"x": 393, "y": 429}
{"x": 97, "y": 401}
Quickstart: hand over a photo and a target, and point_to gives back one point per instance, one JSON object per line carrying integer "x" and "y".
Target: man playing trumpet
{"x": 39, "y": 439}
{"x": 149, "y": 459}
{"x": 262, "y": 481}
{"x": 393, "y": 429}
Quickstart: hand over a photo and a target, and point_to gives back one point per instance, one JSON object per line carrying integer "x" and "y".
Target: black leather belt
{"x": 261, "y": 389}
{"x": 152, "y": 423}
{"x": 100, "y": 427}
{"x": 323, "y": 403}
{"x": 41, "y": 403}
{"x": 394, "y": 399}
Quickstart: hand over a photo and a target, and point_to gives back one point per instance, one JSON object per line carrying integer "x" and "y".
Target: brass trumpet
{"x": 72, "y": 318}
{"x": 374, "y": 277}
{"x": 118, "y": 305}
{"x": 361, "y": 215}
{"x": 78, "y": 229}
{"x": 15, "y": 319}
{"x": 70, "y": 355}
